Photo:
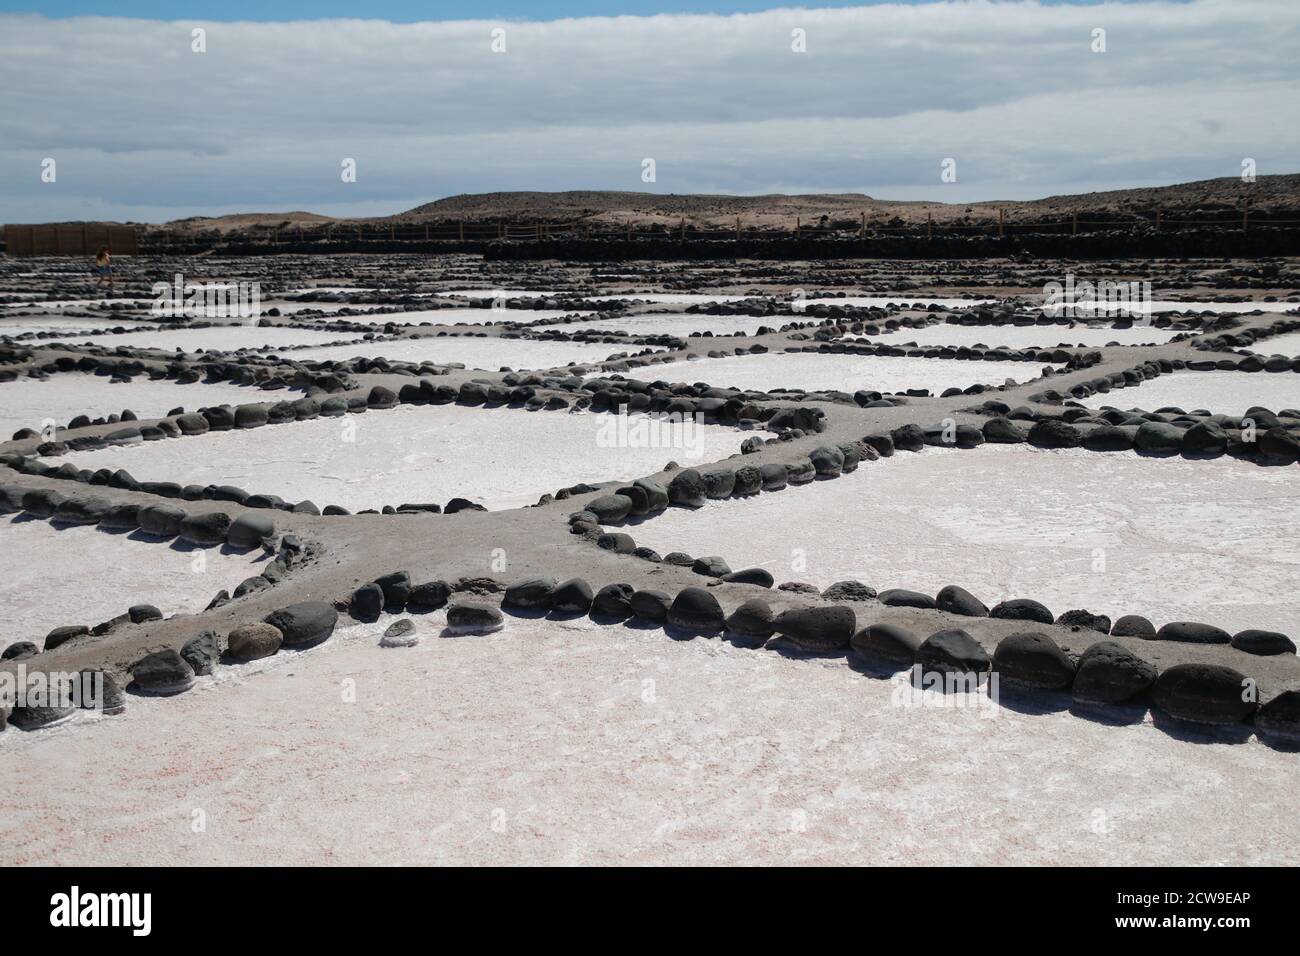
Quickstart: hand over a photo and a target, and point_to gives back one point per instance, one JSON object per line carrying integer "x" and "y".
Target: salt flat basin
{"x": 815, "y": 371}
{"x": 31, "y": 403}
{"x": 488, "y": 354}
{"x": 21, "y": 325}
{"x": 500, "y": 457}
{"x": 1214, "y": 541}
{"x": 1020, "y": 337}
{"x": 1285, "y": 344}
{"x": 691, "y": 752}
{"x": 903, "y": 299}
{"x": 225, "y": 337}
{"x": 467, "y": 316}
{"x": 51, "y": 576}
{"x": 1224, "y": 393}
{"x": 682, "y": 325}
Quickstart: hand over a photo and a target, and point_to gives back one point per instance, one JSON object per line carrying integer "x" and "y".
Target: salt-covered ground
{"x": 813, "y": 371}
{"x": 1287, "y": 344}
{"x": 1171, "y": 539}
{"x": 499, "y": 457}
{"x": 681, "y": 324}
{"x": 51, "y": 576}
{"x": 1166, "y": 305}
{"x": 1018, "y": 337}
{"x": 572, "y": 743}
{"x": 467, "y": 315}
{"x": 31, "y": 403}
{"x": 473, "y": 352}
{"x": 85, "y": 303}
{"x": 226, "y": 337}
{"x": 1224, "y": 393}
{"x": 21, "y": 325}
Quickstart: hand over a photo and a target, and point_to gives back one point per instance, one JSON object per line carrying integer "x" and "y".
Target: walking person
{"x": 104, "y": 269}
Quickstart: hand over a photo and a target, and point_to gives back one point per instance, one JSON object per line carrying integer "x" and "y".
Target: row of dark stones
{"x": 1247, "y": 338}
{"x": 1131, "y": 377}
{"x": 690, "y": 488}
{"x": 162, "y": 522}
{"x": 225, "y": 417}
{"x": 1166, "y": 432}
{"x": 1105, "y": 673}
{"x": 170, "y": 671}
{"x": 863, "y": 397}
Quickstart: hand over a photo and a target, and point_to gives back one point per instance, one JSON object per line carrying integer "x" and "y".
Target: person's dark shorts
{"x": 102, "y": 270}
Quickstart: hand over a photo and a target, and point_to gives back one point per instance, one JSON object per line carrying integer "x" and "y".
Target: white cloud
{"x": 143, "y": 128}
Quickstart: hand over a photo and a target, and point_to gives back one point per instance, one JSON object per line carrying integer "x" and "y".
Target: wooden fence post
{"x": 629, "y": 230}
{"x": 1001, "y": 222}
{"x": 1074, "y": 224}
{"x": 738, "y": 229}
{"x": 1159, "y": 216}
{"x": 462, "y": 230}
{"x": 862, "y": 229}
{"x": 1245, "y": 215}
{"x": 929, "y": 225}
{"x": 683, "y": 229}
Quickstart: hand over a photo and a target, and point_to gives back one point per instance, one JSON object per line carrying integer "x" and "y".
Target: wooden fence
{"x": 70, "y": 239}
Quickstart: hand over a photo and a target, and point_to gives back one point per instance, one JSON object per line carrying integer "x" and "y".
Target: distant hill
{"x": 235, "y": 222}
{"x": 1278, "y": 196}
{"x": 1267, "y": 194}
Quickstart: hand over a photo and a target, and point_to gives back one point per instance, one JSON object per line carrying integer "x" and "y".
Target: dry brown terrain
{"x": 1268, "y": 197}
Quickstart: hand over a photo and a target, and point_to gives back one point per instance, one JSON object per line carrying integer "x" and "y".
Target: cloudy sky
{"x": 141, "y": 127}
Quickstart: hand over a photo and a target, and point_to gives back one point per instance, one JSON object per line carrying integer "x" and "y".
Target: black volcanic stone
{"x": 1263, "y": 642}
{"x": 1193, "y": 632}
{"x": 1054, "y": 433}
{"x": 759, "y": 576}
{"x": 901, "y": 597}
{"x": 650, "y": 605}
{"x": 824, "y": 628}
{"x": 1133, "y": 625}
{"x": 201, "y": 652}
{"x": 849, "y": 591}
{"x": 428, "y": 596}
{"x": 887, "y": 641}
{"x": 304, "y": 624}
{"x": 1022, "y": 609}
{"x": 471, "y": 617}
{"x": 367, "y": 602}
{"x": 1110, "y": 673}
{"x": 957, "y": 600}
{"x": 572, "y": 596}
{"x": 162, "y": 672}
{"x": 613, "y": 601}
{"x": 1203, "y": 693}
{"x": 696, "y": 610}
{"x": 1084, "y": 618}
{"x": 1033, "y": 660}
{"x": 952, "y": 651}
{"x": 752, "y": 619}
{"x": 529, "y": 593}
